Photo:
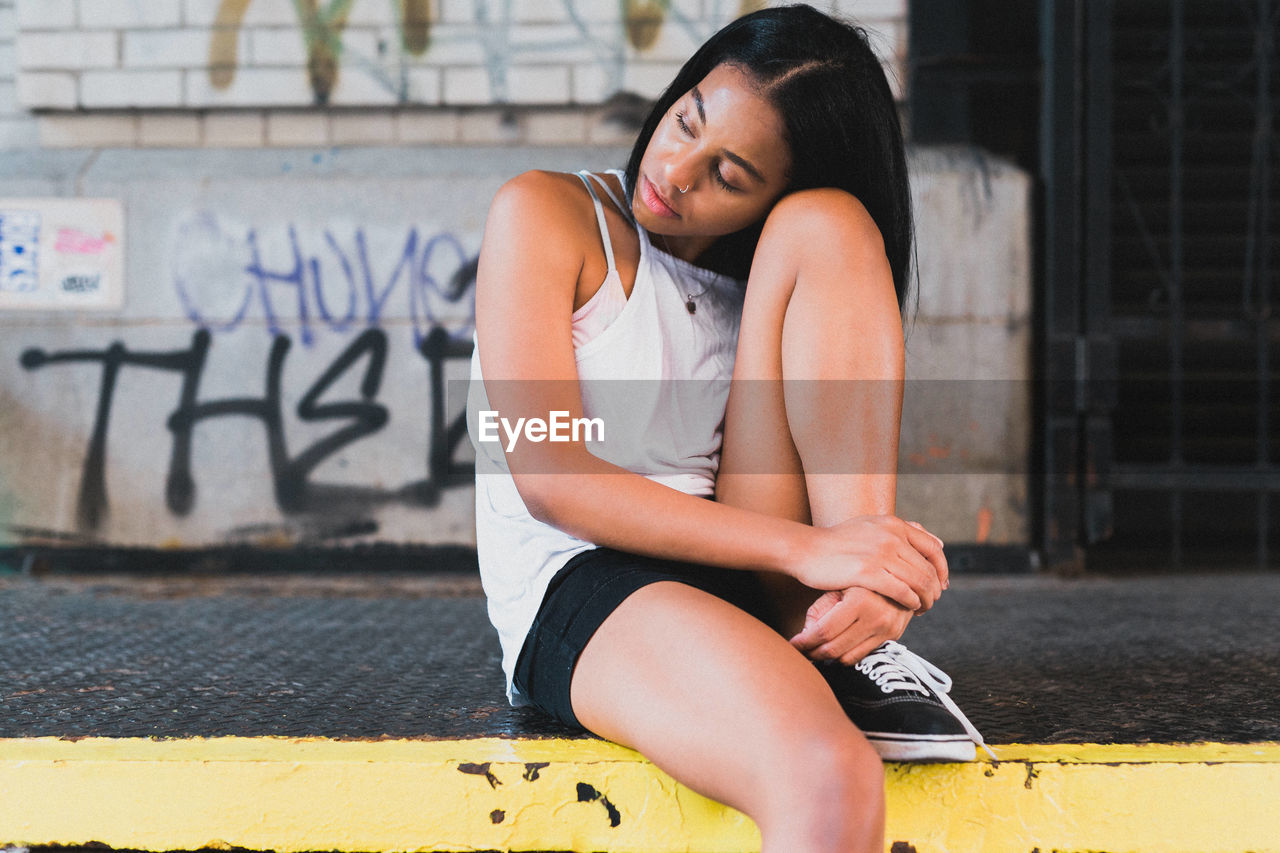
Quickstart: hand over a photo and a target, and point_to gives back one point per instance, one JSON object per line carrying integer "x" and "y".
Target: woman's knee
{"x": 813, "y": 223}
{"x": 839, "y": 758}
{"x": 815, "y": 234}
{"x": 826, "y": 772}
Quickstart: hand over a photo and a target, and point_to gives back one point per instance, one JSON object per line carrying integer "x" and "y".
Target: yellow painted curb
{"x": 1182, "y": 798}
{"x": 545, "y": 794}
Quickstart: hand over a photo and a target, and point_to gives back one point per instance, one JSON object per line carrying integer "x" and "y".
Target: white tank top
{"x": 655, "y": 374}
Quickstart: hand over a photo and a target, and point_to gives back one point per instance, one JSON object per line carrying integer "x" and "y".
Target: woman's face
{"x": 717, "y": 162}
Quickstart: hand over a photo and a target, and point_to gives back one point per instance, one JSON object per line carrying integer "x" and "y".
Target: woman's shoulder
{"x": 541, "y": 182}
{"x": 548, "y": 204}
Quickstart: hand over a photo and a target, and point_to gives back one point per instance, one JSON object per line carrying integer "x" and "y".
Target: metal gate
{"x": 1160, "y": 410}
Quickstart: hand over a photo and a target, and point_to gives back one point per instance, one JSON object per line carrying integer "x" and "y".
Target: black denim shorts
{"x": 582, "y": 595}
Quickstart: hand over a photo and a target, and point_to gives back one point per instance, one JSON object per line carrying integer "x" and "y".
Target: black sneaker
{"x": 900, "y": 702}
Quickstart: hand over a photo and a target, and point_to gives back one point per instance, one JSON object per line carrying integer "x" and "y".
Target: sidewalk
{"x": 366, "y": 713}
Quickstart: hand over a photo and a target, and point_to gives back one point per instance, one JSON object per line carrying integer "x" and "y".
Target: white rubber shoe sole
{"x": 905, "y": 747}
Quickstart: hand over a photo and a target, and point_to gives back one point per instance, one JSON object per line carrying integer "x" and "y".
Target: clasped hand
{"x": 877, "y": 571}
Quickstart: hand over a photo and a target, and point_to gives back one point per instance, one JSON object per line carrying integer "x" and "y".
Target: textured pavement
{"x": 1034, "y": 658}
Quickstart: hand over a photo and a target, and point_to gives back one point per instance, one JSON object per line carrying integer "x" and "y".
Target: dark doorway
{"x": 1160, "y": 417}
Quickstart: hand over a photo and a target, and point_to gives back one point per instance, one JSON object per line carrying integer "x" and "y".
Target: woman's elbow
{"x": 539, "y": 495}
{"x": 551, "y": 478}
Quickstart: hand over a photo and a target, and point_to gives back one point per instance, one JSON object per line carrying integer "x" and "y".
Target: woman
{"x": 626, "y": 600}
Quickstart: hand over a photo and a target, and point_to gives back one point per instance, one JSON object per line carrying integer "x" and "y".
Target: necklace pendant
{"x": 692, "y": 307}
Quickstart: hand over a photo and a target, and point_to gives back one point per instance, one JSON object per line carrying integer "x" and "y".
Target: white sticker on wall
{"x": 61, "y": 253}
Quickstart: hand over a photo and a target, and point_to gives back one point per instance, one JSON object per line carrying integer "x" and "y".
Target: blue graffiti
{"x": 19, "y": 250}
{"x": 334, "y": 288}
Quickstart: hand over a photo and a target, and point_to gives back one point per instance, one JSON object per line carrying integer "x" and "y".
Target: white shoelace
{"x": 895, "y": 667}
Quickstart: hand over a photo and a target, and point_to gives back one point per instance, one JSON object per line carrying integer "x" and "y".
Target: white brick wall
{"x": 871, "y": 10}
{"x": 463, "y": 85}
{"x": 297, "y": 129}
{"x": 517, "y": 52}
{"x": 562, "y": 43}
{"x": 492, "y": 71}
{"x": 456, "y": 11}
{"x": 47, "y": 14}
{"x": 591, "y": 84}
{"x": 362, "y": 128}
{"x": 277, "y": 46}
{"x": 99, "y": 89}
{"x": 555, "y": 127}
{"x": 456, "y": 45}
{"x": 129, "y": 14}
{"x": 67, "y": 50}
{"x": 168, "y": 48}
{"x": 258, "y": 13}
{"x": 424, "y": 128}
{"x": 489, "y": 126}
{"x": 17, "y": 128}
{"x": 547, "y": 11}
{"x": 692, "y": 9}
{"x": 56, "y": 89}
{"x": 168, "y": 130}
{"x": 364, "y": 90}
{"x": 538, "y": 84}
{"x": 107, "y": 130}
{"x": 646, "y": 79}
{"x": 234, "y": 129}
{"x": 424, "y": 85}
{"x": 251, "y": 87}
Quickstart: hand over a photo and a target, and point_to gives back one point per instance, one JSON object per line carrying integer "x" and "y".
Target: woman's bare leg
{"x": 722, "y": 703}
{"x": 710, "y": 694}
{"x": 821, "y": 323}
{"x": 820, "y": 313}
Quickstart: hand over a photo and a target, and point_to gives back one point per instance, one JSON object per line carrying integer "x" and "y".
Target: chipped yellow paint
{"x": 293, "y": 795}
{"x": 315, "y": 794}
{"x": 1152, "y": 798}
{"x": 1141, "y": 753}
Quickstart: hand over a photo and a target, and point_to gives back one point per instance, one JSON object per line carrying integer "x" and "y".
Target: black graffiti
{"x": 91, "y": 502}
{"x": 437, "y": 348}
{"x": 294, "y": 489}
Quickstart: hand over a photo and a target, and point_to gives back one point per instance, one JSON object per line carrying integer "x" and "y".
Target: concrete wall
{"x": 966, "y": 436}
{"x": 257, "y": 278}
{"x": 273, "y": 365}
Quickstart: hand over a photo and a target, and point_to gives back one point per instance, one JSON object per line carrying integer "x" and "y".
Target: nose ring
{"x": 685, "y": 190}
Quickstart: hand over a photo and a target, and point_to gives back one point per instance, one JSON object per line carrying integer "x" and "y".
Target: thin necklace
{"x": 688, "y": 297}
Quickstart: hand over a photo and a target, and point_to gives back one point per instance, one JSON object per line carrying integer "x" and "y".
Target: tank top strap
{"x": 622, "y": 206}
{"x": 604, "y": 229}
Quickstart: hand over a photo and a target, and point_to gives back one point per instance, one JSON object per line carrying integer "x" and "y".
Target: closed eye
{"x": 715, "y": 172}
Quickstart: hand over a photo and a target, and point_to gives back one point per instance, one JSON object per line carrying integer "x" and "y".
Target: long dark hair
{"x": 842, "y": 125}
